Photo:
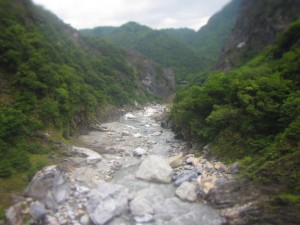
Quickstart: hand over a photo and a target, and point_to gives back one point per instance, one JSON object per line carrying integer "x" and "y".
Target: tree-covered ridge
{"x": 169, "y": 51}
{"x": 252, "y": 113}
{"x": 53, "y": 77}
{"x": 185, "y": 51}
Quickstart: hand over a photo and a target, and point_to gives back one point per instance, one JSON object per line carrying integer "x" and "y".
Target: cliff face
{"x": 257, "y": 25}
{"x": 152, "y": 77}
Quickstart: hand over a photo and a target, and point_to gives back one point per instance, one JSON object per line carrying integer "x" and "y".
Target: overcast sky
{"x": 153, "y": 13}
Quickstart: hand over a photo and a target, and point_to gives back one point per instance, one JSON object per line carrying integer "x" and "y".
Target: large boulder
{"x": 106, "y": 201}
{"x": 49, "y": 186}
{"x": 155, "y": 168}
{"x": 187, "y": 192}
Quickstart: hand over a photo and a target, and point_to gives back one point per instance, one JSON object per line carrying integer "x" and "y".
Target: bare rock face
{"x": 106, "y": 201}
{"x": 155, "y": 168}
{"x": 49, "y": 186}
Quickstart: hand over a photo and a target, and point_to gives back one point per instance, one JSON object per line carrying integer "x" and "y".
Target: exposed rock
{"x": 129, "y": 116}
{"x": 175, "y": 161}
{"x": 157, "y": 133}
{"x": 155, "y": 168}
{"x": 190, "y": 160}
{"x": 187, "y": 192}
{"x": 14, "y": 214}
{"x": 84, "y": 220}
{"x": 106, "y": 201}
{"x": 139, "y": 152}
{"x": 186, "y": 176}
{"x": 147, "y": 218}
{"x": 92, "y": 156}
{"x": 49, "y": 186}
{"x": 37, "y": 210}
{"x": 207, "y": 184}
{"x": 140, "y": 206}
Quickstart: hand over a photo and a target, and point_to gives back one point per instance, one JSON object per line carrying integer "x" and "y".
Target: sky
{"x": 156, "y": 14}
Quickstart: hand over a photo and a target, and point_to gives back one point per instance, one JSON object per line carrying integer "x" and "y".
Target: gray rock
{"x": 106, "y": 201}
{"x": 139, "y": 152}
{"x": 129, "y": 116}
{"x": 175, "y": 161}
{"x": 147, "y": 218}
{"x": 140, "y": 206}
{"x": 155, "y": 168}
{"x": 157, "y": 133}
{"x": 190, "y": 160}
{"x": 37, "y": 210}
{"x": 14, "y": 214}
{"x": 49, "y": 186}
{"x": 85, "y": 220}
{"x": 186, "y": 176}
{"x": 186, "y": 192}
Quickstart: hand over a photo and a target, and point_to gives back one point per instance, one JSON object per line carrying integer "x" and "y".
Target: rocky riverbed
{"x": 130, "y": 171}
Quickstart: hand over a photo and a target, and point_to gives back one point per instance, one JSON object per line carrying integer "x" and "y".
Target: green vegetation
{"x": 185, "y": 51}
{"x": 52, "y": 78}
{"x": 252, "y": 113}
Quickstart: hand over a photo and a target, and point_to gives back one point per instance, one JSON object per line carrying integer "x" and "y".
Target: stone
{"x": 92, "y": 157}
{"x": 82, "y": 189}
{"x": 151, "y": 142}
{"x": 190, "y": 160}
{"x": 234, "y": 168}
{"x": 207, "y": 184}
{"x": 139, "y": 152}
{"x": 14, "y": 214}
{"x": 129, "y": 116}
{"x": 106, "y": 201}
{"x": 155, "y": 168}
{"x": 140, "y": 206}
{"x": 138, "y": 135}
{"x": 84, "y": 220}
{"x": 49, "y": 186}
{"x": 175, "y": 161}
{"x": 37, "y": 210}
{"x": 186, "y": 176}
{"x": 187, "y": 192}
{"x": 157, "y": 133}
{"x": 197, "y": 161}
{"x": 147, "y": 218}
{"x": 219, "y": 165}
{"x": 51, "y": 220}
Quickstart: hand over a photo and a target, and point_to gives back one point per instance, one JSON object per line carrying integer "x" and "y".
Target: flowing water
{"x": 116, "y": 145}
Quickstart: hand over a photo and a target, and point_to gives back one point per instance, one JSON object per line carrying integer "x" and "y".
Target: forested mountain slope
{"x": 185, "y": 51}
{"x": 54, "y": 79}
{"x": 252, "y": 115}
{"x": 258, "y": 24}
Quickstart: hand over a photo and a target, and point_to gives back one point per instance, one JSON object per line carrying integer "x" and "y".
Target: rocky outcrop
{"x": 159, "y": 82}
{"x": 257, "y": 26}
{"x": 49, "y": 186}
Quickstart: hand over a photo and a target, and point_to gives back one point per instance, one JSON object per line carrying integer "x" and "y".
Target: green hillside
{"x": 251, "y": 114}
{"x": 53, "y": 80}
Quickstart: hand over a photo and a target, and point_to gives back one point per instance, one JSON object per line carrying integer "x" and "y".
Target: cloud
{"x": 154, "y": 13}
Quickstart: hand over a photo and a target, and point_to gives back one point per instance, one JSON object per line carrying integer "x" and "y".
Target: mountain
{"x": 249, "y": 113}
{"x": 185, "y": 51}
{"x": 258, "y": 24}
{"x": 54, "y": 80}
{"x": 165, "y": 49}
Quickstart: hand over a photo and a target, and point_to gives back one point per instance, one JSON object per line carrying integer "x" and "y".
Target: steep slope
{"x": 53, "y": 79}
{"x": 185, "y": 51}
{"x": 251, "y": 115}
{"x": 258, "y": 24}
{"x": 167, "y": 50}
